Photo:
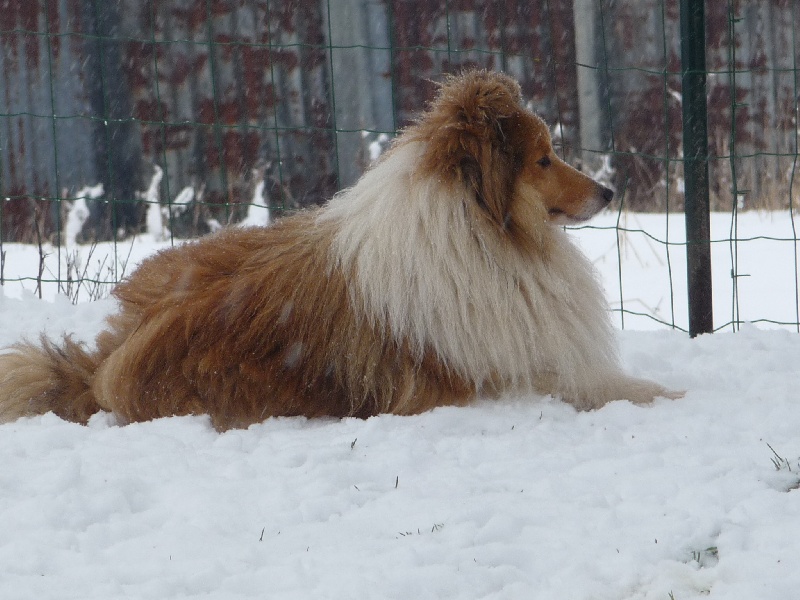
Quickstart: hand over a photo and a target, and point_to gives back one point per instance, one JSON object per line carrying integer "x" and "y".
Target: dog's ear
{"x": 470, "y": 132}
{"x": 488, "y": 167}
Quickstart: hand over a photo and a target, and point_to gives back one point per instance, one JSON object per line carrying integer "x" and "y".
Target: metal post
{"x": 590, "y": 112}
{"x": 695, "y": 166}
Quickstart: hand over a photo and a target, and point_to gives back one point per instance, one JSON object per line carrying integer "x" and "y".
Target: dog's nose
{"x": 606, "y": 193}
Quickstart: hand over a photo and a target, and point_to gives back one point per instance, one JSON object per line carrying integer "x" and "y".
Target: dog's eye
{"x": 544, "y": 161}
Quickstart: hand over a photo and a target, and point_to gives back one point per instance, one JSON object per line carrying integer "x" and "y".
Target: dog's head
{"x": 477, "y": 132}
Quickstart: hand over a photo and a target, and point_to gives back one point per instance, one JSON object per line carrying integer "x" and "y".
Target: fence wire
{"x": 196, "y": 114}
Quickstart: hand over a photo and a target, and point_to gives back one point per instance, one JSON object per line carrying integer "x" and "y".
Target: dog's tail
{"x": 38, "y": 379}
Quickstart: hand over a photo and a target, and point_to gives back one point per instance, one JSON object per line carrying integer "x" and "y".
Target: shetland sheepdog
{"x": 442, "y": 275}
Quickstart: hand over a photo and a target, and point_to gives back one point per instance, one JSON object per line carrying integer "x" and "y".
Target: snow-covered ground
{"x": 521, "y": 498}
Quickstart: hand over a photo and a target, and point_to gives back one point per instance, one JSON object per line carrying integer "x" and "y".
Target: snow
{"x": 521, "y": 498}
{"x": 762, "y": 250}
{"x": 258, "y": 210}
{"x": 155, "y": 217}
{"x": 78, "y": 213}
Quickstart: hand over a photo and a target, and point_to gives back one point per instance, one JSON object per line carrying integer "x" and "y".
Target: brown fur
{"x": 239, "y": 336}
{"x": 253, "y": 323}
{"x": 223, "y": 326}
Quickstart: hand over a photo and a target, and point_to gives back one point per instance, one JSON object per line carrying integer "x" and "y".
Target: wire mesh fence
{"x": 121, "y": 120}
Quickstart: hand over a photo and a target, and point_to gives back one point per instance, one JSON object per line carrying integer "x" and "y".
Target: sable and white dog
{"x": 441, "y": 276}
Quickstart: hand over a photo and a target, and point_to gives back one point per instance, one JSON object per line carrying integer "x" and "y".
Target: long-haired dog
{"x": 442, "y": 275}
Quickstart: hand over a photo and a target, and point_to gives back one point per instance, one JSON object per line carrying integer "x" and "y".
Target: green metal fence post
{"x": 695, "y": 166}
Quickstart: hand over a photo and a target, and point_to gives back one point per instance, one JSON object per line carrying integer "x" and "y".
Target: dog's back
{"x": 241, "y": 326}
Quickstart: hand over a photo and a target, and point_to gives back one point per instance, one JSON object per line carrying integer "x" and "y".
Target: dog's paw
{"x": 671, "y": 394}
{"x": 639, "y": 391}
{"x": 605, "y": 388}
{"x": 619, "y": 386}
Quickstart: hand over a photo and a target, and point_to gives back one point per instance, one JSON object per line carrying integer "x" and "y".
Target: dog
{"x": 444, "y": 274}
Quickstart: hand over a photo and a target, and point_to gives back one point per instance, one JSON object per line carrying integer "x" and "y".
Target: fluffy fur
{"x": 442, "y": 275}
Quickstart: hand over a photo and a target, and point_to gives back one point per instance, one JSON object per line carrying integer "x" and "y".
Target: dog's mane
{"x": 427, "y": 266}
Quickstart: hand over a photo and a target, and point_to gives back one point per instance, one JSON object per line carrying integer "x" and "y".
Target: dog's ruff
{"x": 442, "y": 275}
